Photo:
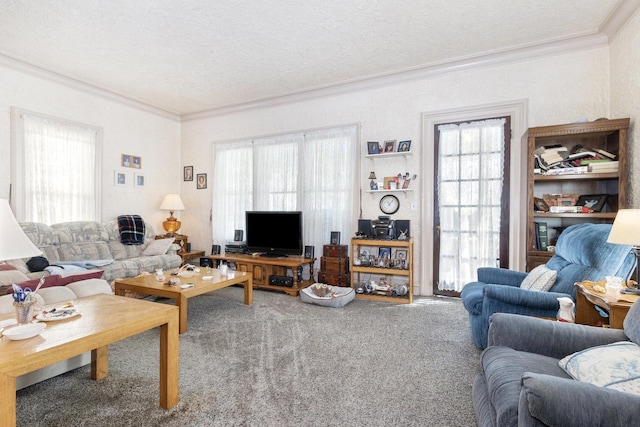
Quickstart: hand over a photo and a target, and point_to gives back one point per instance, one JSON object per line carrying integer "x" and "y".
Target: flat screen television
{"x": 274, "y": 234}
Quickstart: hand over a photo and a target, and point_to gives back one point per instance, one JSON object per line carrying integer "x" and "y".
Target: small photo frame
{"x": 390, "y": 146}
{"x": 404, "y": 146}
{"x": 540, "y": 205}
{"x": 201, "y": 182}
{"x": 335, "y": 238}
{"x": 138, "y": 180}
{"x": 406, "y": 183}
{"x": 119, "y": 178}
{"x": 384, "y": 253}
{"x": 136, "y": 162}
{"x": 373, "y": 147}
{"x": 593, "y": 201}
{"x": 125, "y": 160}
{"x": 187, "y": 175}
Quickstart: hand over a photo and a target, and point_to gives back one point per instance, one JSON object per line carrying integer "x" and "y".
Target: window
{"x": 313, "y": 172}
{"x": 55, "y": 169}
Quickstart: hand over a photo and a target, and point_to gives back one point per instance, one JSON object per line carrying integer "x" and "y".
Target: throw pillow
{"x": 32, "y": 284}
{"x": 77, "y": 277}
{"x": 613, "y": 366}
{"x": 8, "y": 276}
{"x": 158, "y": 247}
{"x": 539, "y": 279}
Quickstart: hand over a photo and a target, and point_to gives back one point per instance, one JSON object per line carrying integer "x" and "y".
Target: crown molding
{"x": 619, "y": 17}
{"x": 520, "y": 53}
{"x": 89, "y": 88}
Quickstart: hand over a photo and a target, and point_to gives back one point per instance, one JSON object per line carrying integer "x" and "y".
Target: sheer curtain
{"x": 469, "y": 189}
{"x": 313, "y": 172}
{"x": 56, "y": 171}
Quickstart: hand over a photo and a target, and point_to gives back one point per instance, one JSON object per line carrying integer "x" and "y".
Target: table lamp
{"x": 172, "y": 202}
{"x": 626, "y": 231}
{"x": 14, "y": 244}
{"x": 372, "y": 177}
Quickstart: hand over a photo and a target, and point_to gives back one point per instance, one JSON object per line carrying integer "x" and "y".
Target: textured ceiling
{"x": 187, "y": 56}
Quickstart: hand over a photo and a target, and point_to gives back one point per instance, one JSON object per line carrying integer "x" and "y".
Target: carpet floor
{"x": 281, "y": 362}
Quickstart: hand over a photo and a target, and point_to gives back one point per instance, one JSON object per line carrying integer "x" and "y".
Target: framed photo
{"x": 119, "y": 178}
{"x": 540, "y": 205}
{"x": 390, "y": 146}
{"x": 138, "y": 180}
{"x": 400, "y": 254}
{"x": 335, "y": 238}
{"x": 188, "y": 173}
{"x": 404, "y": 146}
{"x": 373, "y": 147}
{"x": 202, "y": 181}
{"x": 384, "y": 253}
{"x": 405, "y": 183}
{"x": 125, "y": 160}
{"x": 136, "y": 162}
{"x": 389, "y": 182}
{"x": 593, "y": 201}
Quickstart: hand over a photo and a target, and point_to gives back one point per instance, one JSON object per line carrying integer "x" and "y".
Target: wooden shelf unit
{"x": 609, "y": 135}
{"x": 357, "y": 271}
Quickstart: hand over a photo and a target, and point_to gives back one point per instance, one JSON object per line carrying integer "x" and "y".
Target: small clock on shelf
{"x": 389, "y": 204}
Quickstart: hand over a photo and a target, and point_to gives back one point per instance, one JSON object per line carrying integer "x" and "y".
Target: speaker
{"x": 308, "y": 251}
{"x": 364, "y": 227}
{"x": 237, "y": 236}
{"x": 215, "y": 250}
{"x": 206, "y": 262}
{"x": 402, "y": 226}
{"x": 275, "y": 280}
{"x": 188, "y": 247}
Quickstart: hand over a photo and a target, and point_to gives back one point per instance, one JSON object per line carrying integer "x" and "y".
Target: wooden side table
{"x": 587, "y": 299}
{"x": 188, "y": 256}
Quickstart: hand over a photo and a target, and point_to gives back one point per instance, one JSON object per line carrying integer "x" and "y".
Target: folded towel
{"x": 131, "y": 229}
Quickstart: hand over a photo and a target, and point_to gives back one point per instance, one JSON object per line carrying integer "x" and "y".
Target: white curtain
{"x": 56, "y": 181}
{"x": 469, "y": 189}
{"x": 313, "y": 172}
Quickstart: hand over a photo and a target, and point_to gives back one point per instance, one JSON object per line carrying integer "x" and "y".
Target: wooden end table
{"x": 188, "y": 256}
{"x": 587, "y": 298}
{"x": 104, "y": 319}
{"x": 149, "y": 285}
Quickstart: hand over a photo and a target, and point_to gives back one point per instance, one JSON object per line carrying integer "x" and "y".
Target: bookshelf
{"x": 608, "y": 135}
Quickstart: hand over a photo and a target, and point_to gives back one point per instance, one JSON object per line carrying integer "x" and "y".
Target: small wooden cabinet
{"x": 262, "y": 268}
{"x": 399, "y": 269}
{"x": 608, "y": 135}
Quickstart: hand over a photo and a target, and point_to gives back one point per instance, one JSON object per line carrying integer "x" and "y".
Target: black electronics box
{"x": 383, "y": 228}
{"x": 275, "y": 280}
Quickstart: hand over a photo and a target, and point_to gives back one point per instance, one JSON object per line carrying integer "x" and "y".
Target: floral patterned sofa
{"x": 86, "y": 241}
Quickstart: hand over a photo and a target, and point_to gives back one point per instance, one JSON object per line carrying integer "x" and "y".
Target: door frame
{"x": 517, "y": 110}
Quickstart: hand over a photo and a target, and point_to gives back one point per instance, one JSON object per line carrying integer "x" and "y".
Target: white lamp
{"x": 14, "y": 243}
{"x": 626, "y": 231}
{"x": 172, "y": 202}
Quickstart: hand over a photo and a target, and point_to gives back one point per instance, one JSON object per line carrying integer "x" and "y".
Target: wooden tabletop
{"x": 104, "y": 319}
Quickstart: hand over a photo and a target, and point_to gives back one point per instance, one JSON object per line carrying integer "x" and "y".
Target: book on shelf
{"x": 565, "y": 209}
{"x": 573, "y": 170}
{"x": 542, "y": 238}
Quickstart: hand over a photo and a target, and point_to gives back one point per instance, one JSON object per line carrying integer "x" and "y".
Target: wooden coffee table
{"x": 149, "y": 285}
{"x": 104, "y": 319}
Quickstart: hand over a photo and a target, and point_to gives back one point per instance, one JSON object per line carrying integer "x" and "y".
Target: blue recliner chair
{"x": 582, "y": 253}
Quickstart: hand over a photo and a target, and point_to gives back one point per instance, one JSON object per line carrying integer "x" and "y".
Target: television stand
{"x": 263, "y": 267}
{"x": 269, "y": 255}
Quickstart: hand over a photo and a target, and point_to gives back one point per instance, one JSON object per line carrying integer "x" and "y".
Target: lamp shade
{"x": 626, "y": 228}
{"x": 14, "y": 243}
{"x": 372, "y": 175}
{"x": 172, "y": 202}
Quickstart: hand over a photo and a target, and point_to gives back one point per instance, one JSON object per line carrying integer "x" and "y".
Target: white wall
{"x": 559, "y": 89}
{"x": 625, "y": 92}
{"x": 127, "y": 129}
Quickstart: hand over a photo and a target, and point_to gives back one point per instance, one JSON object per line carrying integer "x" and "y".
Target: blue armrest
{"x": 569, "y": 403}
{"x": 500, "y": 276}
{"x": 547, "y": 337}
{"x": 509, "y": 299}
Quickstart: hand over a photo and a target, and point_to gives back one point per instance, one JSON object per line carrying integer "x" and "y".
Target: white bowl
{"x": 23, "y": 332}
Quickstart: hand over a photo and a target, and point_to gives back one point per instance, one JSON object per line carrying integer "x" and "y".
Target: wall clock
{"x": 389, "y": 204}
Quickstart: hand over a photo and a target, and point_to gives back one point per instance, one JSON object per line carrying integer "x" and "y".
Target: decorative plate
{"x": 23, "y": 332}
{"x": 57, "y": 315}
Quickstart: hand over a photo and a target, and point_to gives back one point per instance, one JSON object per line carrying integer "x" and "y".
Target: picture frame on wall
{"x": 201, "y": 181}
{"x": 373, "y": 147}
{"x": 125, "y": 160}
{"x": 188, "y": 173}
{"x": 136, "y": 162}
{"x": 138, "y": 180}
{"x": 119, "y": 178}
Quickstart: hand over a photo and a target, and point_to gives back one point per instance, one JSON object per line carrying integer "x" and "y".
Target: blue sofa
{"x": 582, "y": 253}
